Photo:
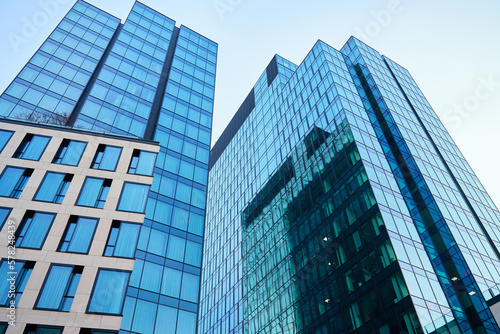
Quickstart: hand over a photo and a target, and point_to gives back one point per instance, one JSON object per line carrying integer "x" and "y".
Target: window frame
{"x": 29, "y": 328}
{"x": 136, "y": 153}
{"x": 76, "y": 218}
{"x": 59, "y": 189}
{"x": 75, "y": 269}
{"x": 23, "y": 222}
{"x": 113, "y": 225}
{"x": 99, "y": 195}
{"x": 21, "y": 182}
{"x": 25, "y": 144}
{"x": 129, "y": 272}
{"x": 61, "y": 147}
{"x": 27, "y": 265}
{"x": 6, "y": 217}
{"x": 102, "y": 148}
{"x": 121, "y": 195}
{"x": 8, "y": 139}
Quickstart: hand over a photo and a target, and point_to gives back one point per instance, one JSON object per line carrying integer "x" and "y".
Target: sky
{"x": 449, "y": 46}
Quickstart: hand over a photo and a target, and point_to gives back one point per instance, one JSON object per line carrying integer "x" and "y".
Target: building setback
{"x": 147, "y": 79}
{"x": 338, "y": 203}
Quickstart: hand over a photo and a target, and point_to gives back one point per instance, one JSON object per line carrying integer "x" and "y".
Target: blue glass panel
{"x": 144, "y": 317}
{"x": 94, "y": 192}
{"x": 133, "y": 197}
{"x": 4, "y": 214}
{"x": 171, "y": 285}
{"x": 4, "y": 138}
{"x": 186, "y": 322}
{"x": 54, "y": 287}
{"x": 127, "y": 240}
{"x": 32, "y": 147}
{"x": 166, "y": 319}
{"x": 51, "y": 186}
{"x": 69, "y": 152}
{"x": 33, "y": 229}
{"x": 109, "y": 292}
{"x": 78, "y": 235}
{"x": 12, "y": 180}
{"x": 190, "y": 286}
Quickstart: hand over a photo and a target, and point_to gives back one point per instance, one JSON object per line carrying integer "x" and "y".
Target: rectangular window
{"x": 94, "y": 192}
{"x": 108, "y": 292}
{"x": 96, "y": 331}
{"x": 4, "y": 214}
{"x": 32, "y": 147}
{"x": 142, "y": 163}
{"x": 13, "y": 180}
{"x": 78, "y": 235}
{"x": 122, "y": 239}
{"x": 4, "y": 138}
{"x": 39, "y": 329}
{"x": 59, "y": 288}
{"x": 33, "y": 229}
{"x": 69, "y": 153}
{"x": 23, "y": 271}
{"x": 134, "y": 197}
{"x": 106, "y": 157}
{"x": 53, "y": 187}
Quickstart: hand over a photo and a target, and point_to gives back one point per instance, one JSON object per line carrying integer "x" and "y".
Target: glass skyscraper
{"x": 338, "y": 203}
{"x": 144, "y": 78}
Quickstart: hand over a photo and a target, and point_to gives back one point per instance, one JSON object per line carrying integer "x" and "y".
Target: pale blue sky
{"x": 450, "y": 47}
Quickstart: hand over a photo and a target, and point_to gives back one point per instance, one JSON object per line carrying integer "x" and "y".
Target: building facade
{"x": 72, "y": 205}
{"x": 144, "y": 78}
{"x": 338, "y": 203}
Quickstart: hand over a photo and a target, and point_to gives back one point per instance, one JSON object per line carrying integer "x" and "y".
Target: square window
{"x": 142, "y": 163}
{"x": 33, "y": 229}
{"x": 106, "y": 157}
{"x": 53, "y": 187}
{"x": 108, "y": 293}
{"x": 78, "y": 235}
{"x": 59, "y": 288}
{"x": 94, "y": 192}
{"x": 134, "y": 197}
{"x": 13, "y": 181}
{"x": 122, "y": 240}
{"x": 69, "y": 153}
{"x": 32, "y": 147}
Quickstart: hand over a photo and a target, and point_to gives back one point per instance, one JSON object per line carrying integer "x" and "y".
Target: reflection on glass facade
{"x": 338, "y": 203}
{"x": 144, "y": 78}
{"x": 52, "y": 82}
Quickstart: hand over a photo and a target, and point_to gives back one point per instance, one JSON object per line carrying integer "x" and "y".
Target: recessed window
{"x": 40, "y": 329}
{"x": 32, "y": 147}
{"x": 134, "y": 197}
{"x": 122, "y": 239}
{"x": 78, "y": 235}
{"x": 4, "y": 214}
{"x": 106, "y": 157}
{"x": 94, "y": 192}
{"x": 69, "y": 153}
{"x": 13, "y": 181}
{"x": 4, "y": 139}
{"x": 96, "y": 331}
{"x": 54, "y": 187}
{"x": 22, "y": 270}
{"x": 59, "y": 288}
{"x": 33, "y": 229}
{"x": 142, "y": 163}
{"x": 109, "y": 292}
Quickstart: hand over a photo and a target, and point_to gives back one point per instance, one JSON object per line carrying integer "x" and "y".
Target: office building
{"x": 338, "y": 203}
{"x": 147, "y": 79}
{"x": 74, "y": 200}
